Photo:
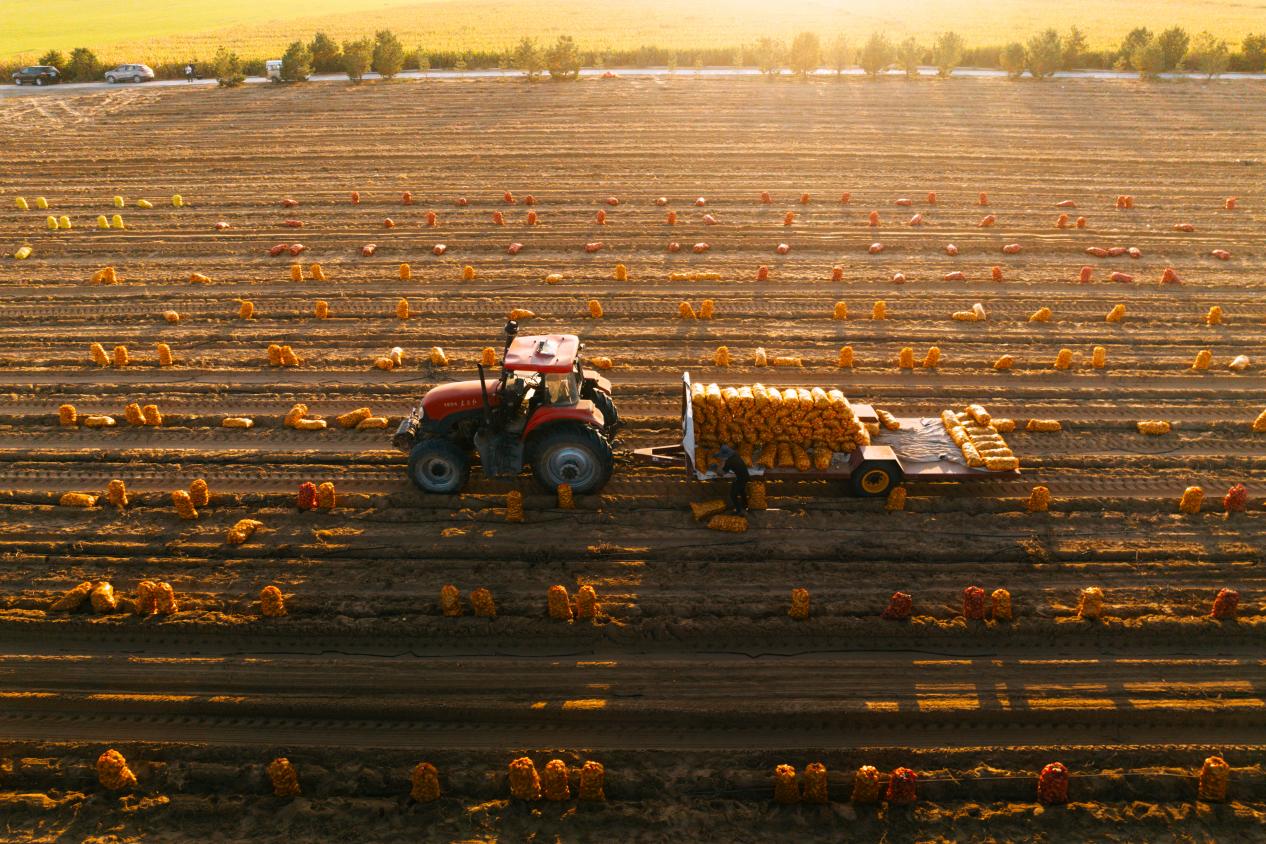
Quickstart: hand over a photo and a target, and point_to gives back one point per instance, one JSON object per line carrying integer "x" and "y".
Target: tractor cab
{"x": 543, "y": 409}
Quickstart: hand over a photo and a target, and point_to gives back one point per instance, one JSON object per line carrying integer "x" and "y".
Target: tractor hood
{"x": 457, "y": 397}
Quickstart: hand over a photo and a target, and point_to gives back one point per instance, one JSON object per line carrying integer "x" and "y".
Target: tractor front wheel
{"x": 573, "y": 455}
{"x": 438, "y": 466}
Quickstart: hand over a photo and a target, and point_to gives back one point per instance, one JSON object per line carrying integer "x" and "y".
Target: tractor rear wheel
{"x": 606, "y": 406}
{"x": 438, "y": 466}
{"x": 573, "y": 455}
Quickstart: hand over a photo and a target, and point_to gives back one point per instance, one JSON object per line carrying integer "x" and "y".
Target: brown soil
{"x": 694, "y": 683}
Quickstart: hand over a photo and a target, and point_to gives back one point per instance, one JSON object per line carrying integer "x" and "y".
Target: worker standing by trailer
{"x": 730, "y": 461}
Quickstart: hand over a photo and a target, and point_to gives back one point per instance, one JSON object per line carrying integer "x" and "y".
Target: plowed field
{"x": 694, "y": 683}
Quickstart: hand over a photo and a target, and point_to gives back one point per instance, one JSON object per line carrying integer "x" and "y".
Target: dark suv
{"x": 40, "y": 74}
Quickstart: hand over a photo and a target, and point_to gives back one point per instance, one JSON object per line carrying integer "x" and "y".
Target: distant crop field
{"x": 181, "y": 29}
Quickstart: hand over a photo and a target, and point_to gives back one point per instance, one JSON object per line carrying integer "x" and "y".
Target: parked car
{"x": 130, "y": 73}
{"x": 39, "y": 74}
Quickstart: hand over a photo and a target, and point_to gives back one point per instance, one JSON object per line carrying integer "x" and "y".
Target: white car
{"x": 130, "y": 73}
{"x": 272, "y": 69}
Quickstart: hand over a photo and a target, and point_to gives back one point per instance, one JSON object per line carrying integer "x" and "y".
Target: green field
{"x": 180, "y": 29}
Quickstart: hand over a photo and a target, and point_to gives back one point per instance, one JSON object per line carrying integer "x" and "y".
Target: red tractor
{"x": 544, "y": 410}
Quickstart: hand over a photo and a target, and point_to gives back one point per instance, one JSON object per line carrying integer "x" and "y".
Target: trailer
{"x": 920, "y": 450}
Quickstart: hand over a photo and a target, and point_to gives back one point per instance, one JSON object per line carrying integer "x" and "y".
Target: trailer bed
{"x": 922, "y": 445}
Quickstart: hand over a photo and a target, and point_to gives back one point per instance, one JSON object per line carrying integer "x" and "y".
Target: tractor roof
{"x": 543, "y": 353}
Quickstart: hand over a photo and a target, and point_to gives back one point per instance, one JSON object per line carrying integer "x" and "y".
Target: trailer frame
{"x": 856, "y": 466}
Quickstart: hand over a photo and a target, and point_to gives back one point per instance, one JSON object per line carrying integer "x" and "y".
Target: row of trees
{"x": 1041, "y": 55}
{"x": 386, "y": 56}
{"x": 383, "y": 54}
{"x": 1142, "y": 50}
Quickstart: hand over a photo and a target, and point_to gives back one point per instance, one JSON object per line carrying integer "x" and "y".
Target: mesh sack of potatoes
{"x": 755, "y": 415}
{"x": 976, "y": 435}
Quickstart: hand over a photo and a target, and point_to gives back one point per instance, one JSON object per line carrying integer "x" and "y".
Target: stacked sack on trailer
{"x": 791, "y": 427}
{"x": 975, "y": 433}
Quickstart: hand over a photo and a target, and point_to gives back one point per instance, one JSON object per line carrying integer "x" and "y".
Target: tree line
{"x": 1148, "y": 53}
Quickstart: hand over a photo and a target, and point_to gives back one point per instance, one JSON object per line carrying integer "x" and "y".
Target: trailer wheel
{"x": 875, "y": 478}
{"x": 438, "y": 466}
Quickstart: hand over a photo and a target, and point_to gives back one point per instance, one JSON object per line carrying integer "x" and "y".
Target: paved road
{"x": 962, "y": 72}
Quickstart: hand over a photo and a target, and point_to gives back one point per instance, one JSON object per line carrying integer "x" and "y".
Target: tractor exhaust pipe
{"x": 483, "y": 389}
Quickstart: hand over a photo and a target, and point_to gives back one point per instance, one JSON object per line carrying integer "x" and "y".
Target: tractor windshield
{"x": 562, "y": 389}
